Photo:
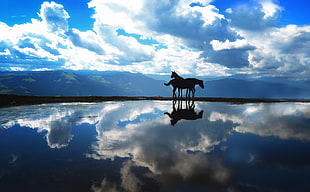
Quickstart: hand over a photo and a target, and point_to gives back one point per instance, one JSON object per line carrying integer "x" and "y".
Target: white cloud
{"x": 104, "y": 49}
{"x": 54, "y": 17}
{"x": 88, "y": 40}
{"x": 238, "y": 44}
{"x": 30, "y": 46}
{"x": 174, "y": 24}
{"x": 119, "y": 14}
{"x": 256, "y": 15}
{"x": 281, "y": 50}
{"x": 270, "y": 8}
{"x": 160, "y": 36}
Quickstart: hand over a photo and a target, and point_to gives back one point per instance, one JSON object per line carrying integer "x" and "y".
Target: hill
{"x": 66, "y": 83}
{"x": 94, "y": 83}
{"x": 238, "y": 88}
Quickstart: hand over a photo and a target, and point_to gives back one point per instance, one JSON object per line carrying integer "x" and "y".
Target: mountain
{"x": 66, "y": 83}
{"x": 111, "y": 83}
{"x": 132, "y": 84}
{"x": 229, "y": 87}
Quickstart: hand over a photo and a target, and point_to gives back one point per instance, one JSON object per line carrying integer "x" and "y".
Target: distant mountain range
{"x": 238, "y": 88}
{"x": 66, "y": 83}
{"x": 92, "y": 83}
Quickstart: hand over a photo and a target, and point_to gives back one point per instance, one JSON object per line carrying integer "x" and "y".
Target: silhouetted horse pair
{"x": 180, "y": 83}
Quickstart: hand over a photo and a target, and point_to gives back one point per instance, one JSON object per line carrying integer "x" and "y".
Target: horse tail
{"x": 166, "y": 113}
{"x": 167, "y": 84}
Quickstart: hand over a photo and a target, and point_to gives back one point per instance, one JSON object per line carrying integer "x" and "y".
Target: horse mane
{"x": 175, "y": 75}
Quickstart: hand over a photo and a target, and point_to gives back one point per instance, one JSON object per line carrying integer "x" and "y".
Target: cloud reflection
{"x": 177, "y": 154}
{"x": 172, "y": 154}
{"x": 55, "y": 119}
{"x": 155, "y": 152}
{"x": 285, "y": 121}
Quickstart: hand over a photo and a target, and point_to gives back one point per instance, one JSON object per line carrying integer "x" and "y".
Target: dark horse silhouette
{"x": 179, "y": 113}
{"x": 180, "y": 83}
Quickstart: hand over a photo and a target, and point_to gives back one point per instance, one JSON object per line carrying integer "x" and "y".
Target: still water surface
{"x": 155, "y": 146}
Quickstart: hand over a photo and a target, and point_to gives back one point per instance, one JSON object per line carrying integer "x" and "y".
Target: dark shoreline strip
{"x": 17, "y": 100}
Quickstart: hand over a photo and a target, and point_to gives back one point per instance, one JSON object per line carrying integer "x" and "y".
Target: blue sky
{"x": 256, "y": 38}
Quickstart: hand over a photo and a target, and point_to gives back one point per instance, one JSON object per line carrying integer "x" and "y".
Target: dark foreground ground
{"x": 16, "y": 100}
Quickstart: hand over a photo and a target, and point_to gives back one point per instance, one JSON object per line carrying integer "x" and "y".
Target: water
{"x": 155, "y": 146}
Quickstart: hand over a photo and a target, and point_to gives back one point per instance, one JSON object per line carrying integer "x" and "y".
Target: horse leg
{"x": 180, "y": 92}
{"x": 173, "y": 92}
{"x": 186, "y": 93}
{"x": 193, "y": 91}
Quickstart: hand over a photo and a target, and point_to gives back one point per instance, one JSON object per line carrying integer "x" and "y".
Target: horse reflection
{"x": 179, "y": 113}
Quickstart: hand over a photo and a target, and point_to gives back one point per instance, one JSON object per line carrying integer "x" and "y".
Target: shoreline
{"x": 18, "y": 100}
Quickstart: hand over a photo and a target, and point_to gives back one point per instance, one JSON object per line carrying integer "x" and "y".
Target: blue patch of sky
{"x": 142, "y": 40}
{"x": 80, "y": 14}
{"x": 294, "y": 11}
{"x": 196, "y": 4}
{"x": 224, "y": 5}
{"x": 19, "y": 12}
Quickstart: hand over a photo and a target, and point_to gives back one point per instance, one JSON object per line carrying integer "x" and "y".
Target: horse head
{"x": 175, "y": 75}
{"x": 201, "y": 84}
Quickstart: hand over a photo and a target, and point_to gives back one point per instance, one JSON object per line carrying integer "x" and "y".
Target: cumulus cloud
{"x": 129, "y": 49}
{"x": 175, "y": 24}
{"x": 29, "y": 46}
{"x": 54, "y": 16}
{"x": 156, "y": 37}
{"x": 257, "y": 15}
{"x": 241, "y": 44}
{"x": 88, "y": 40}
{"x": 293, "y": 40}
{"x": 284, "y": 50}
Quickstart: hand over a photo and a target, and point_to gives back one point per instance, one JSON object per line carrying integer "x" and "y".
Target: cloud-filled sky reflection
{"x": 231, "y": 148}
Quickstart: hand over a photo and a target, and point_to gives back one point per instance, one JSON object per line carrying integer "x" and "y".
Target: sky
{"x": 256, "y": 38}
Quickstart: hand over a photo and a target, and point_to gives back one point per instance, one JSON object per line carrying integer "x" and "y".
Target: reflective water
{"x": 155, "y": 146}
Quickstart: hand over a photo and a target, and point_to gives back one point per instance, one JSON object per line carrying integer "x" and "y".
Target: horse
{"x": 180, "y": 83}
{"x": 188, "y": 84}
{"x": 188, "y": 90}
{"x": 176, "y": 76}
{"x": 192, "y": 82}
